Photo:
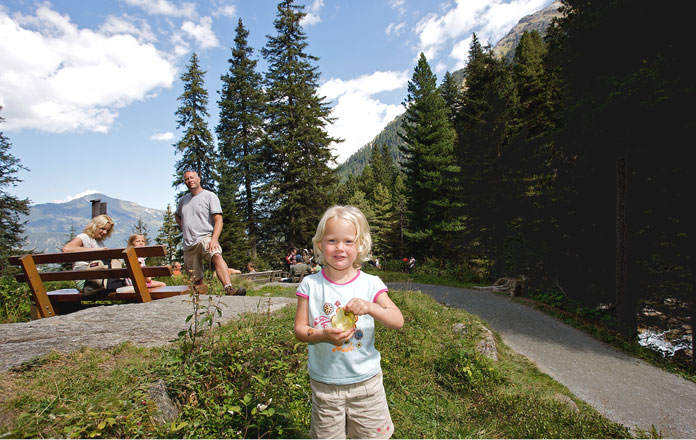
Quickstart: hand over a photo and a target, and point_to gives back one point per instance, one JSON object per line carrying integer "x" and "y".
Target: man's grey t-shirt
{"x": 196, "y": 214}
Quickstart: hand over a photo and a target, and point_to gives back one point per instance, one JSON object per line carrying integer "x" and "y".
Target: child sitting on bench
{"x": 139, "y": 240}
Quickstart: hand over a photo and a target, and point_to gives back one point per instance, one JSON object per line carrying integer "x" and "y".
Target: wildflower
{"x": 262, "y": 407}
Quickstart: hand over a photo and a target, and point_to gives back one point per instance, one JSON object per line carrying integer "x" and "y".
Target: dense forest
{"x": 566, "y": 164}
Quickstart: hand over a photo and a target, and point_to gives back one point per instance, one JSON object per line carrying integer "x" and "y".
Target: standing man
{"x": 199, "y": 216}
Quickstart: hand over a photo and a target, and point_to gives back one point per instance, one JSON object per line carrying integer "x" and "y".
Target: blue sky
{"x": 89, "y": 88}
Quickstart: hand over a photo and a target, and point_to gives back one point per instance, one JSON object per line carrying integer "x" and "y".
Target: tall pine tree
{"x": 241, "y": 142}
{"x": 490, "y": 167}
{"x": 196, "y": 146}
{"x": 141, "y": 228}
{"x": 170, "y": 236}
{"x": 11, "y": 228}
{"x": 430, "y": 164}
{"x": 301, "y": 159}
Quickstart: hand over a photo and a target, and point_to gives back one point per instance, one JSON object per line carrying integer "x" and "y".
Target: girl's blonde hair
{"x": 133, "y": 237}
{"x": 363, "y": 240}
{"x": 99, "y": 222}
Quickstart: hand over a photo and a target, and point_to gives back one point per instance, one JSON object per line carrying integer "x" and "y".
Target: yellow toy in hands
{"x": 343, "y": 320}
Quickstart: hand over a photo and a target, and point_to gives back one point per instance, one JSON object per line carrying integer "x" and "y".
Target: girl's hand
{"x": 336, "y": 336}
{"x": 359, "y": 306}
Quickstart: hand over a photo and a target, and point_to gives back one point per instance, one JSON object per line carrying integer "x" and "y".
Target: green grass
{"x": 249, "y": 379}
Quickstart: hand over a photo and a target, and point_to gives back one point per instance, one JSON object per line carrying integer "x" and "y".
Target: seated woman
{"x": 97, "y": 230}
{"x": 139, "y": 240}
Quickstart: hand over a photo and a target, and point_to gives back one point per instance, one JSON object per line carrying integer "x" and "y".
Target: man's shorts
{"x": 358, "y": 410}
{"x": 193, "y": 258}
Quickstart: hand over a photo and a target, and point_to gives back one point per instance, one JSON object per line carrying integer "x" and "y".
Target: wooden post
{"x": 98, "y": 207}
{"x": 38, "y": 291}
{"x": 136, "y": 275}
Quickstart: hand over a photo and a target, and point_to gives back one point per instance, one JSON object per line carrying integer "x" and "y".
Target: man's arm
{"x": 178, "y": 220}
{"x": 217, "y": 230}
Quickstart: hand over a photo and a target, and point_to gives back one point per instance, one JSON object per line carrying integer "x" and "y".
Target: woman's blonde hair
{"x": 99, "y": 222}
{"x": 362, "y": 239}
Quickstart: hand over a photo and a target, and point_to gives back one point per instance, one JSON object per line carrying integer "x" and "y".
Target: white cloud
{"x": 201, "y": 32}
{"x": 399, "y": 5}
{"x": 168, "y": 136}
{"x": 77, "y": 196}
{"x": 395, "y": 29}
{"x": 126, "y": 25}
{"x": 313, "y": 16}
{"x": 181, "y": 46}
{"x": 165, "y": 7}
{"x": 226, "y": 11}
{"x": 460, "y": 52}
{"x": 359, "y": 115}
{"x": 490, "y": 19}
{"x": 58, "y": 78}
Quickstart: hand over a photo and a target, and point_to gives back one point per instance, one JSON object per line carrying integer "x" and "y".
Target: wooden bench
{"x": 266, "y": 276}
{"x": 51, "y": 303}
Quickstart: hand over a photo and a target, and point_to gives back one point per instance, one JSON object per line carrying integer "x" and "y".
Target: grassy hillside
{"x": 249, "y": 379}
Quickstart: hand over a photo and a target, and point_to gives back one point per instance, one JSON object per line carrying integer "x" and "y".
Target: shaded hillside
{"x": 538, "y": 21}
{"x": 389, "y": 137}
{"x": 49, "y": 224}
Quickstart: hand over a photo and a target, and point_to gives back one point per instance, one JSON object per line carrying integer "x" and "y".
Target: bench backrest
{"x": 35, "y": 278}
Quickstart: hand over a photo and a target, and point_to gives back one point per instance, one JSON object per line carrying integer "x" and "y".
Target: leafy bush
{"x": 251, "y": 383}
{"x": 462, "y": 369}
{"x": 15, "y": 300}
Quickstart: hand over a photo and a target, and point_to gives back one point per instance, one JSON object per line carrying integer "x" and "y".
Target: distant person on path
{"x": 199, "y": 215}
{"x": 348, "y": 397}
{"x": 410, "y": 263}
{"x": 139, "y": 240}
{"x": 97, "y": 230}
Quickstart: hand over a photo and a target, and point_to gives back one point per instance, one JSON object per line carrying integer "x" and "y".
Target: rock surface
{"x": 155, "y": 323}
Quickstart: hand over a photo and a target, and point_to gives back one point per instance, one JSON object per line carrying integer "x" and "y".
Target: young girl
{"x": 139, "y": 240}
{"x": 348, "y": 397}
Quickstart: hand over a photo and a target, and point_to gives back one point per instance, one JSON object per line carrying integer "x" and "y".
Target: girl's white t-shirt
{"x": 359, "y": 359}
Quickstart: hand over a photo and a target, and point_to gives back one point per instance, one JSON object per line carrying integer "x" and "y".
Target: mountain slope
{"x": 49, "y": 224}
{"x": 538, "y": 21}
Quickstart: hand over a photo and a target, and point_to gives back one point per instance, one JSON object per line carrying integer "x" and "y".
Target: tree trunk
{"x": 626, "y": 303}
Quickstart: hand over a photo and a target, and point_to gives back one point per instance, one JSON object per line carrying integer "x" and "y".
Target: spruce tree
{"x": 384, "y": 226}
{"x": 141, "y": 228}
{"x": 300, "y": 159}
{"x": 240, "y": 135}
{"x": 533, "y": 121}
{"x": 11, "y": 227}
{"x": 196, "y": 146}
{"x": 491, "y": 180}
{"x": 170, "y": 236}
{"x": 452, "y": 93}
{"x": 400, "y": 205}
{"x": 430, "y": 164}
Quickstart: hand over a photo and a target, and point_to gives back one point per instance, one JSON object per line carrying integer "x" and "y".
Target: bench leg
{"x": 44, "y": 309}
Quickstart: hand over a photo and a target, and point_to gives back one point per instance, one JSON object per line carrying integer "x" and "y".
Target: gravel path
{"x": 149, "y": 324}
{"x": 624, "y": 389}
